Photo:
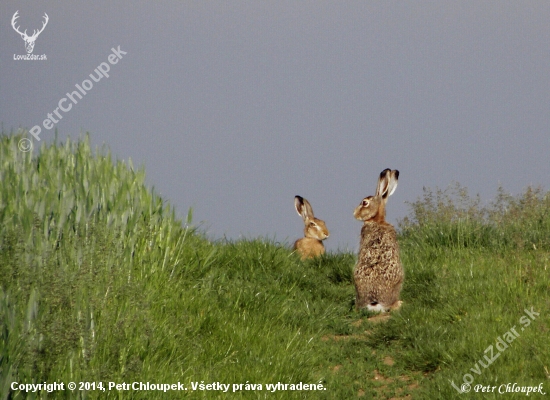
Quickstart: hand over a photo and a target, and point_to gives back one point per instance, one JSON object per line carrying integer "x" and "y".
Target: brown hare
{"x": 315, "y": 231}
{"x": 378, "y": 274}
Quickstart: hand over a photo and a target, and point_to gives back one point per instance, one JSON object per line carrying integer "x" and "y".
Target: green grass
{"x": 99, "y": 282}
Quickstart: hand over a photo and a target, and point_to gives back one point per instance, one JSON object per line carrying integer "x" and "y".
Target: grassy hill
{"x": 99, "y": 282}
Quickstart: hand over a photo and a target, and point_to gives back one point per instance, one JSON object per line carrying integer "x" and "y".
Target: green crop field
{"x": 100, "y": 283}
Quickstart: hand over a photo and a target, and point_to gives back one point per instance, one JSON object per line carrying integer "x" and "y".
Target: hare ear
{"x": 303, "y": 208}
{"x": 394, "y": 176}
{"x": 383, "y": 183}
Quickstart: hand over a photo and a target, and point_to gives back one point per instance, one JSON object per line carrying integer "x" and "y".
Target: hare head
{"x": 373, "y": 208}
{"x": 313, "y": 227}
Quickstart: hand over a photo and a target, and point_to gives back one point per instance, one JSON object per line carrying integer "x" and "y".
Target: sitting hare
{"x": 315, "y": 231}
{"x": 378, "y": 274}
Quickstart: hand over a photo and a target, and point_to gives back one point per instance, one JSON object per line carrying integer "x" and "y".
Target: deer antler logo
{"x": 29, "y": 40}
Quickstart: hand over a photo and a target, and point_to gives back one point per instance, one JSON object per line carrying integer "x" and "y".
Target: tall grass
{"x": 99, "y": 282}
{"x": 451, "y": 217}
{"x": 475, "y": 270}
{"x": 78, "y": 231}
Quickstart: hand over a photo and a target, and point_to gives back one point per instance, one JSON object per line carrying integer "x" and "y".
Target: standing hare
{"x": 378, "y": 274}
{"x": 315, "y": 231}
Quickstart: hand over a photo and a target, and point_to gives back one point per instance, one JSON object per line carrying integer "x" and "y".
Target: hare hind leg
{"x": 390, "y": 298}
{"x": 396, "y": 306}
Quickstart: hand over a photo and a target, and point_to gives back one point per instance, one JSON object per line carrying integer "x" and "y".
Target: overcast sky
{"x": 235, "y": 107}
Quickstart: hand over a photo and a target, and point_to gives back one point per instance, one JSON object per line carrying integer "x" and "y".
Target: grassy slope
{"x": 99, "y": 282}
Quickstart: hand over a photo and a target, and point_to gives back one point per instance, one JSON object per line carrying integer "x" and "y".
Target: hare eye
{"x": 365, "y": 203}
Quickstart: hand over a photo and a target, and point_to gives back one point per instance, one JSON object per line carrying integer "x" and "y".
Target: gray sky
{"x": 234, "y": 107}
